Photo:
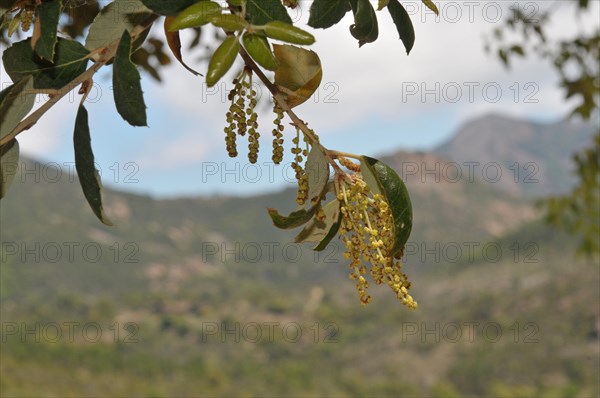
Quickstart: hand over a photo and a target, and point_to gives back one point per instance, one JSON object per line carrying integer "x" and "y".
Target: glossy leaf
{"x": 15, "y": 104}
{"x": 222, "y": 60}
{"x": 288, "y": 33}
{"x": 49, "y": 13}
{"x": 317, "y": 170}
{"x": 229, "y": 22}
{"x": 70, "y": 60}
{"x": 259, "y": 49}
{"x": 299, "y": 73}
{"x": 89, "y": 178}
{"x": 174, "y": 43}
{"x": 259, "y": 12}
{"x": 195, "y": 15}
{"x": 365, "y": 28}
{"x": 403, "y": 24}
{"x": 116, "y": 17}
{"x": 127, "y": 89}
{"x": 322, "y": 232}
{"x": 326, "y": 13}
{"x": 168, "y": 7}
{"x": 381, "y": 179}
{"x": 9, "y": 163}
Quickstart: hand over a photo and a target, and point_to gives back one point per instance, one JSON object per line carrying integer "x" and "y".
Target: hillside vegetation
{"x": 203, "y": 297}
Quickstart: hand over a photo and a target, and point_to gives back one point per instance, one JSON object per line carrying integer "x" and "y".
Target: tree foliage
{"x": 53, "y": 42}
{"x": 577, "y": 62}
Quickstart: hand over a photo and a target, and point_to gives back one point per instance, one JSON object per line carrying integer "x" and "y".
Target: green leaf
{"x": 89, "y": 178}
{"x": 322, "y": 232}
{"x": 403, "y": 24}
{"x": 229, "y": 22}
{"x": 365, "y": 28}
{"x": 49, "y": 13}
{"x": 259, "y": 12}
{"x": 326, "y": 13}
{"x": 258, "y": 47}
{"x": 15, "y": 104}
{"x": 9, "y": 163}
{"x": 431, "y": 5}
{"x": 381, "y": 4}
{"x": 294, "y": 220}
{"x": 168, "y": 7}
{"x": 317, "y": 169}
{"x": 287, "y": 32}
{"x": 222, "y": 60}
{"x": 381, "y": 179}
{"x": 127, "y": 89}
{"x": 195, "y": 15}
{"x": 109, "y": 24}
{"x": 70, "y": 60}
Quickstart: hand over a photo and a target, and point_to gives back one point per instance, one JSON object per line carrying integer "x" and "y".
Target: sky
{"x": 373, "y": 100}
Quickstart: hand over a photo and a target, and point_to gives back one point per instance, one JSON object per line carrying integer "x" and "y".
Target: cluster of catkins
{"x": 242, "y": 120}
{"x": 242, "y": 117}
{"x": 367, "y": 231}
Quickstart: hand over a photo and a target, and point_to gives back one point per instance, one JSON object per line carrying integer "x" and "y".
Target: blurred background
{"x": 195, "y": 293}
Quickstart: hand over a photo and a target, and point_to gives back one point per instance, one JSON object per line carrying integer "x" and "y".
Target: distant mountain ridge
{"x": 442, "y": 184}
{"x": 535, "y": 157}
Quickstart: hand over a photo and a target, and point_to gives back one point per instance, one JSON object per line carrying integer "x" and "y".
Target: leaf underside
{"x": 86, "y": 169}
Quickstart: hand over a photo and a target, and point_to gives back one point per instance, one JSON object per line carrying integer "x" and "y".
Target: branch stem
{"x": 32, "y": 119}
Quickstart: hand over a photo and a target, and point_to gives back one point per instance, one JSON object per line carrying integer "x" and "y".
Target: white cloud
{"x": 372, "y": 81}
{"x": 185, "y": 150}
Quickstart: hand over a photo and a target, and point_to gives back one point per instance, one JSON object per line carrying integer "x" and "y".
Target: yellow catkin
{"x": 367, "y": 231}
{"x": 347, "y": 163}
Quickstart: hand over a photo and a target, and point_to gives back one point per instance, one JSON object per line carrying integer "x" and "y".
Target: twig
{"x": 32, "y": 119}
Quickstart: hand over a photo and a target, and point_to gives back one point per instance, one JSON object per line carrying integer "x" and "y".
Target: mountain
{"x": 203, "y": 296}
{"x": 534, "y": 158}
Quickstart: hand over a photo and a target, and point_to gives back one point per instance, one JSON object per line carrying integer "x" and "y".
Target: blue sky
{"x": 372, "y": 100}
